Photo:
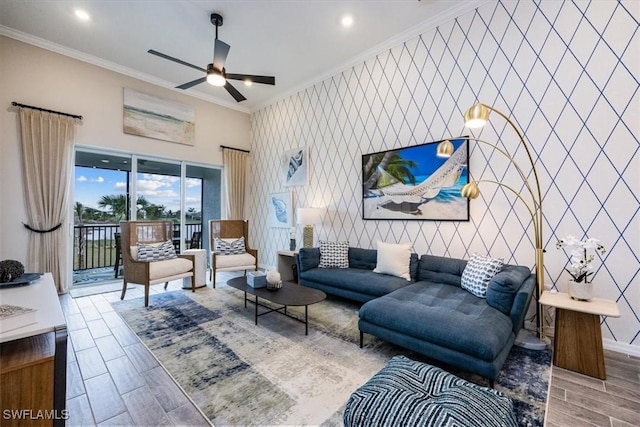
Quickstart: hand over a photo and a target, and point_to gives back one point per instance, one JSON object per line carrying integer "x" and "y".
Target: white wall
{"x": 34, "y": 76}
{"x": 567, "y": 72}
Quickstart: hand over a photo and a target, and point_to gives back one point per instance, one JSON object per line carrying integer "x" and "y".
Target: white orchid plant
{"x": 581, "y": 256}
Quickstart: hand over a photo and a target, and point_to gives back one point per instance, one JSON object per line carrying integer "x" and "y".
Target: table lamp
{"x": 308, "y": 217}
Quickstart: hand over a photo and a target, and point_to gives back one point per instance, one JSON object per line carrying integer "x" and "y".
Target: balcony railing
{"x": 94, "y": 246}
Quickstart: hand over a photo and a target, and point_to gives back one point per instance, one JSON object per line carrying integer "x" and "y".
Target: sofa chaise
{"x": 431, "y": 314}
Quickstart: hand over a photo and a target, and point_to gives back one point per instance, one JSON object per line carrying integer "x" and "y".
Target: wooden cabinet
{"x": 27, "y": 378}
{"x": 33, "y": 359}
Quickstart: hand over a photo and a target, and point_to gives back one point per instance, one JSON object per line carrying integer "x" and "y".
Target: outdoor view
{"x": 102, "y": 201}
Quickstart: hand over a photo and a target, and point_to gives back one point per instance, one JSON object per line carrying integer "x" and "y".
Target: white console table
{"x": 200, "y": 268}
{"x": 34, "y": 357}
{"x": 286, "y": 261}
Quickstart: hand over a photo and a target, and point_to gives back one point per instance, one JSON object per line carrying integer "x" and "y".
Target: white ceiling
{"x": 300, "y": 42}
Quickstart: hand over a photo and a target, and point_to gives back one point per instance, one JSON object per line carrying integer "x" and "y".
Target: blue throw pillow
{"x": 504, "y": 286}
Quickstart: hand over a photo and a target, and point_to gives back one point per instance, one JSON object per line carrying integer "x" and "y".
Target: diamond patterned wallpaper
{"x": 566, "y": 72}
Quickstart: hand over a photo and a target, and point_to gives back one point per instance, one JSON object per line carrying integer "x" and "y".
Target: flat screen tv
{"x": 414, "y": 183}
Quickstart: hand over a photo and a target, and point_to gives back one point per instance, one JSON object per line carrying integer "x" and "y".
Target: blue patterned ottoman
{"x": 410, "y": 393}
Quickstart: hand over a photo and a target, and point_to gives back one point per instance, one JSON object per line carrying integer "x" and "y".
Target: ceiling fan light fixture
{"x": 215, "y": 77}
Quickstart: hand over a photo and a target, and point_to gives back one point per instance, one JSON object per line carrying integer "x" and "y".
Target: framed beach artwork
{"x": 413, "y": 183}
{"x": 295, "y": 167}
{"x": 154, "y": 117}
{"x": 280, "y": 210}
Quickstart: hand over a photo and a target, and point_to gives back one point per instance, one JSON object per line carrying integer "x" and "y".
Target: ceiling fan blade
{"x": 179, "y": 61}
{"x": 192, "y": 83}
{"x": 234, "y": 92}
{"x": 266, "y": 80}
{"x": 220, "y": 52}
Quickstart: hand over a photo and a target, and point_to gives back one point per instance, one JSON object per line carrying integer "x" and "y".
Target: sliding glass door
{"x": 111, "y": 187}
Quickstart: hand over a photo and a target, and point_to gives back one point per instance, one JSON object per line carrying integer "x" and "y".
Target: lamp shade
{"x": 309, "y": 216}
{"x": 445, "y": 149}
{"x": 476, "y": 116}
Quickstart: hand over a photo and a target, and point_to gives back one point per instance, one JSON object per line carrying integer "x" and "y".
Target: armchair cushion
{"x": 229, "y": 246}
{"x": 156, "y": 251}
{"x": 168, "y": 268}
{"x": 227, "y": 261}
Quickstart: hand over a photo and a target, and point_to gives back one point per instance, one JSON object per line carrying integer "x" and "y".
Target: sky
{"x": 93, "y": 183}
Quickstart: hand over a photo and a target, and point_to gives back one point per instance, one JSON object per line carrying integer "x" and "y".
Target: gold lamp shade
{"x": 470, "y": 190}
{"x": 445, "y": 149}
{"x": 476, "y": 116}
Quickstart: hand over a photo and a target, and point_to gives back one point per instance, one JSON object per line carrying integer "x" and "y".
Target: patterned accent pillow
{"x": 478, "y": 273}
{"x": 334, "y": 254}
{"x": 156, "y": 252}
{"x": 229, "y": 246}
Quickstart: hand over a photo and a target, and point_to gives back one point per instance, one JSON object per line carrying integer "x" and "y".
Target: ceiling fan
{"x": 216, "y": 74}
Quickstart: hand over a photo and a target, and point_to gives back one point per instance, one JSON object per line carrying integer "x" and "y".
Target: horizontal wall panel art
{"x": 414, "y": 183}
{"x": 154, "y": 117}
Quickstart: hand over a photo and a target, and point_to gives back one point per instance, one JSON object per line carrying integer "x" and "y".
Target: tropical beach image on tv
{"x": 414, "y": 183}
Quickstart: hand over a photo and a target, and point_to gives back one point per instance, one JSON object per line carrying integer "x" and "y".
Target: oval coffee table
{"x": 291, "y": 294}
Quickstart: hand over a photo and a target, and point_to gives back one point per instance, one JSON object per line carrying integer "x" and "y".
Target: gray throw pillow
{"x": 334, "y": 254}
{"x": 229, "y": 246}
{"x": 155, "y": 252}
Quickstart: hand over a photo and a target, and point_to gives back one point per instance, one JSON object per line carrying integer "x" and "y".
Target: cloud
{"x": 82, "y": 178}
{"x": 193, "y": 182}
{"x": 98, "y": 179}
{"x": 121, "y": 186}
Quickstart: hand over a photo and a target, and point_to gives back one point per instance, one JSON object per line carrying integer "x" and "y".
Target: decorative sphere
{"x": 273, "y": 277}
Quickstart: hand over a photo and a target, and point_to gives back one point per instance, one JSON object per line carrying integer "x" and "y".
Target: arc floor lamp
{"x": 476, "y": 117}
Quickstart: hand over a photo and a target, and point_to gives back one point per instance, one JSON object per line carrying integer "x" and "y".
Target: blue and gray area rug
{"x": 272, "y": 374}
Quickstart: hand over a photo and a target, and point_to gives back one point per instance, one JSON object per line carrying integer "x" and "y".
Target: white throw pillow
{"x": 334, "y": 254}
{"x": 394, "y": 259}
{"x": 478, "y": 273}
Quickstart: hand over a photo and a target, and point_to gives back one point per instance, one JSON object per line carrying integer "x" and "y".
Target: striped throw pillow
{"x": 156, "y": 252}
{"x": 478, "y": 273}
{"x": 229, "y": 246}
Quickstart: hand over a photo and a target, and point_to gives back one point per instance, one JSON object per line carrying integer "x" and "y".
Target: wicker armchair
{"x": 149, "y": 273}
{"x": 228, "y": 230}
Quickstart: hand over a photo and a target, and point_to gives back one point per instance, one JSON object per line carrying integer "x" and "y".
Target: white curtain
{"x": 47, "y": 140}
{"x": 235, "y": 170}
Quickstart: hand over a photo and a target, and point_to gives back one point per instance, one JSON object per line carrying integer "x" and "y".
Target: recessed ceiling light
{"x": 82, "y": 15}
{"x": 347, "y": 21}
{"x": 248, "y": 82}
{"x": 104, "y": 161}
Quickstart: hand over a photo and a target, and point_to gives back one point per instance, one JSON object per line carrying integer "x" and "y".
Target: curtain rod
{"x": 233, "y": 148}
{"x": 17, "y": 104}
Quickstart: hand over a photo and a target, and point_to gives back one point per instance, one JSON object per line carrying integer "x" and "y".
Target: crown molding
{"x": 111, "y": 66}
{"x": 459, "y": 9}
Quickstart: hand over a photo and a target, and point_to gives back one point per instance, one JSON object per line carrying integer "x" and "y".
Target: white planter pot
{"x": 580, "y": 291}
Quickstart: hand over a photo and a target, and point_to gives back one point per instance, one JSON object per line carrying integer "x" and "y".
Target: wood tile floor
{"x": 579, "y": 400}
{"x": 112, "y": 379}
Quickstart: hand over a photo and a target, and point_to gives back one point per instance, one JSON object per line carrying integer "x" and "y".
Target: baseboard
{"x": 607, "y": 343}
{"x": 621, "y": 347}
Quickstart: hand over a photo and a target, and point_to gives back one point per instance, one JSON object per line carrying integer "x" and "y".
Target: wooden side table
{"x": 578, "y": 338}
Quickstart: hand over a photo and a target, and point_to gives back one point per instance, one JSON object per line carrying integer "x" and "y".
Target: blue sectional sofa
{"x": 431, "y": 314}
{"x": 358, "y": 282}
